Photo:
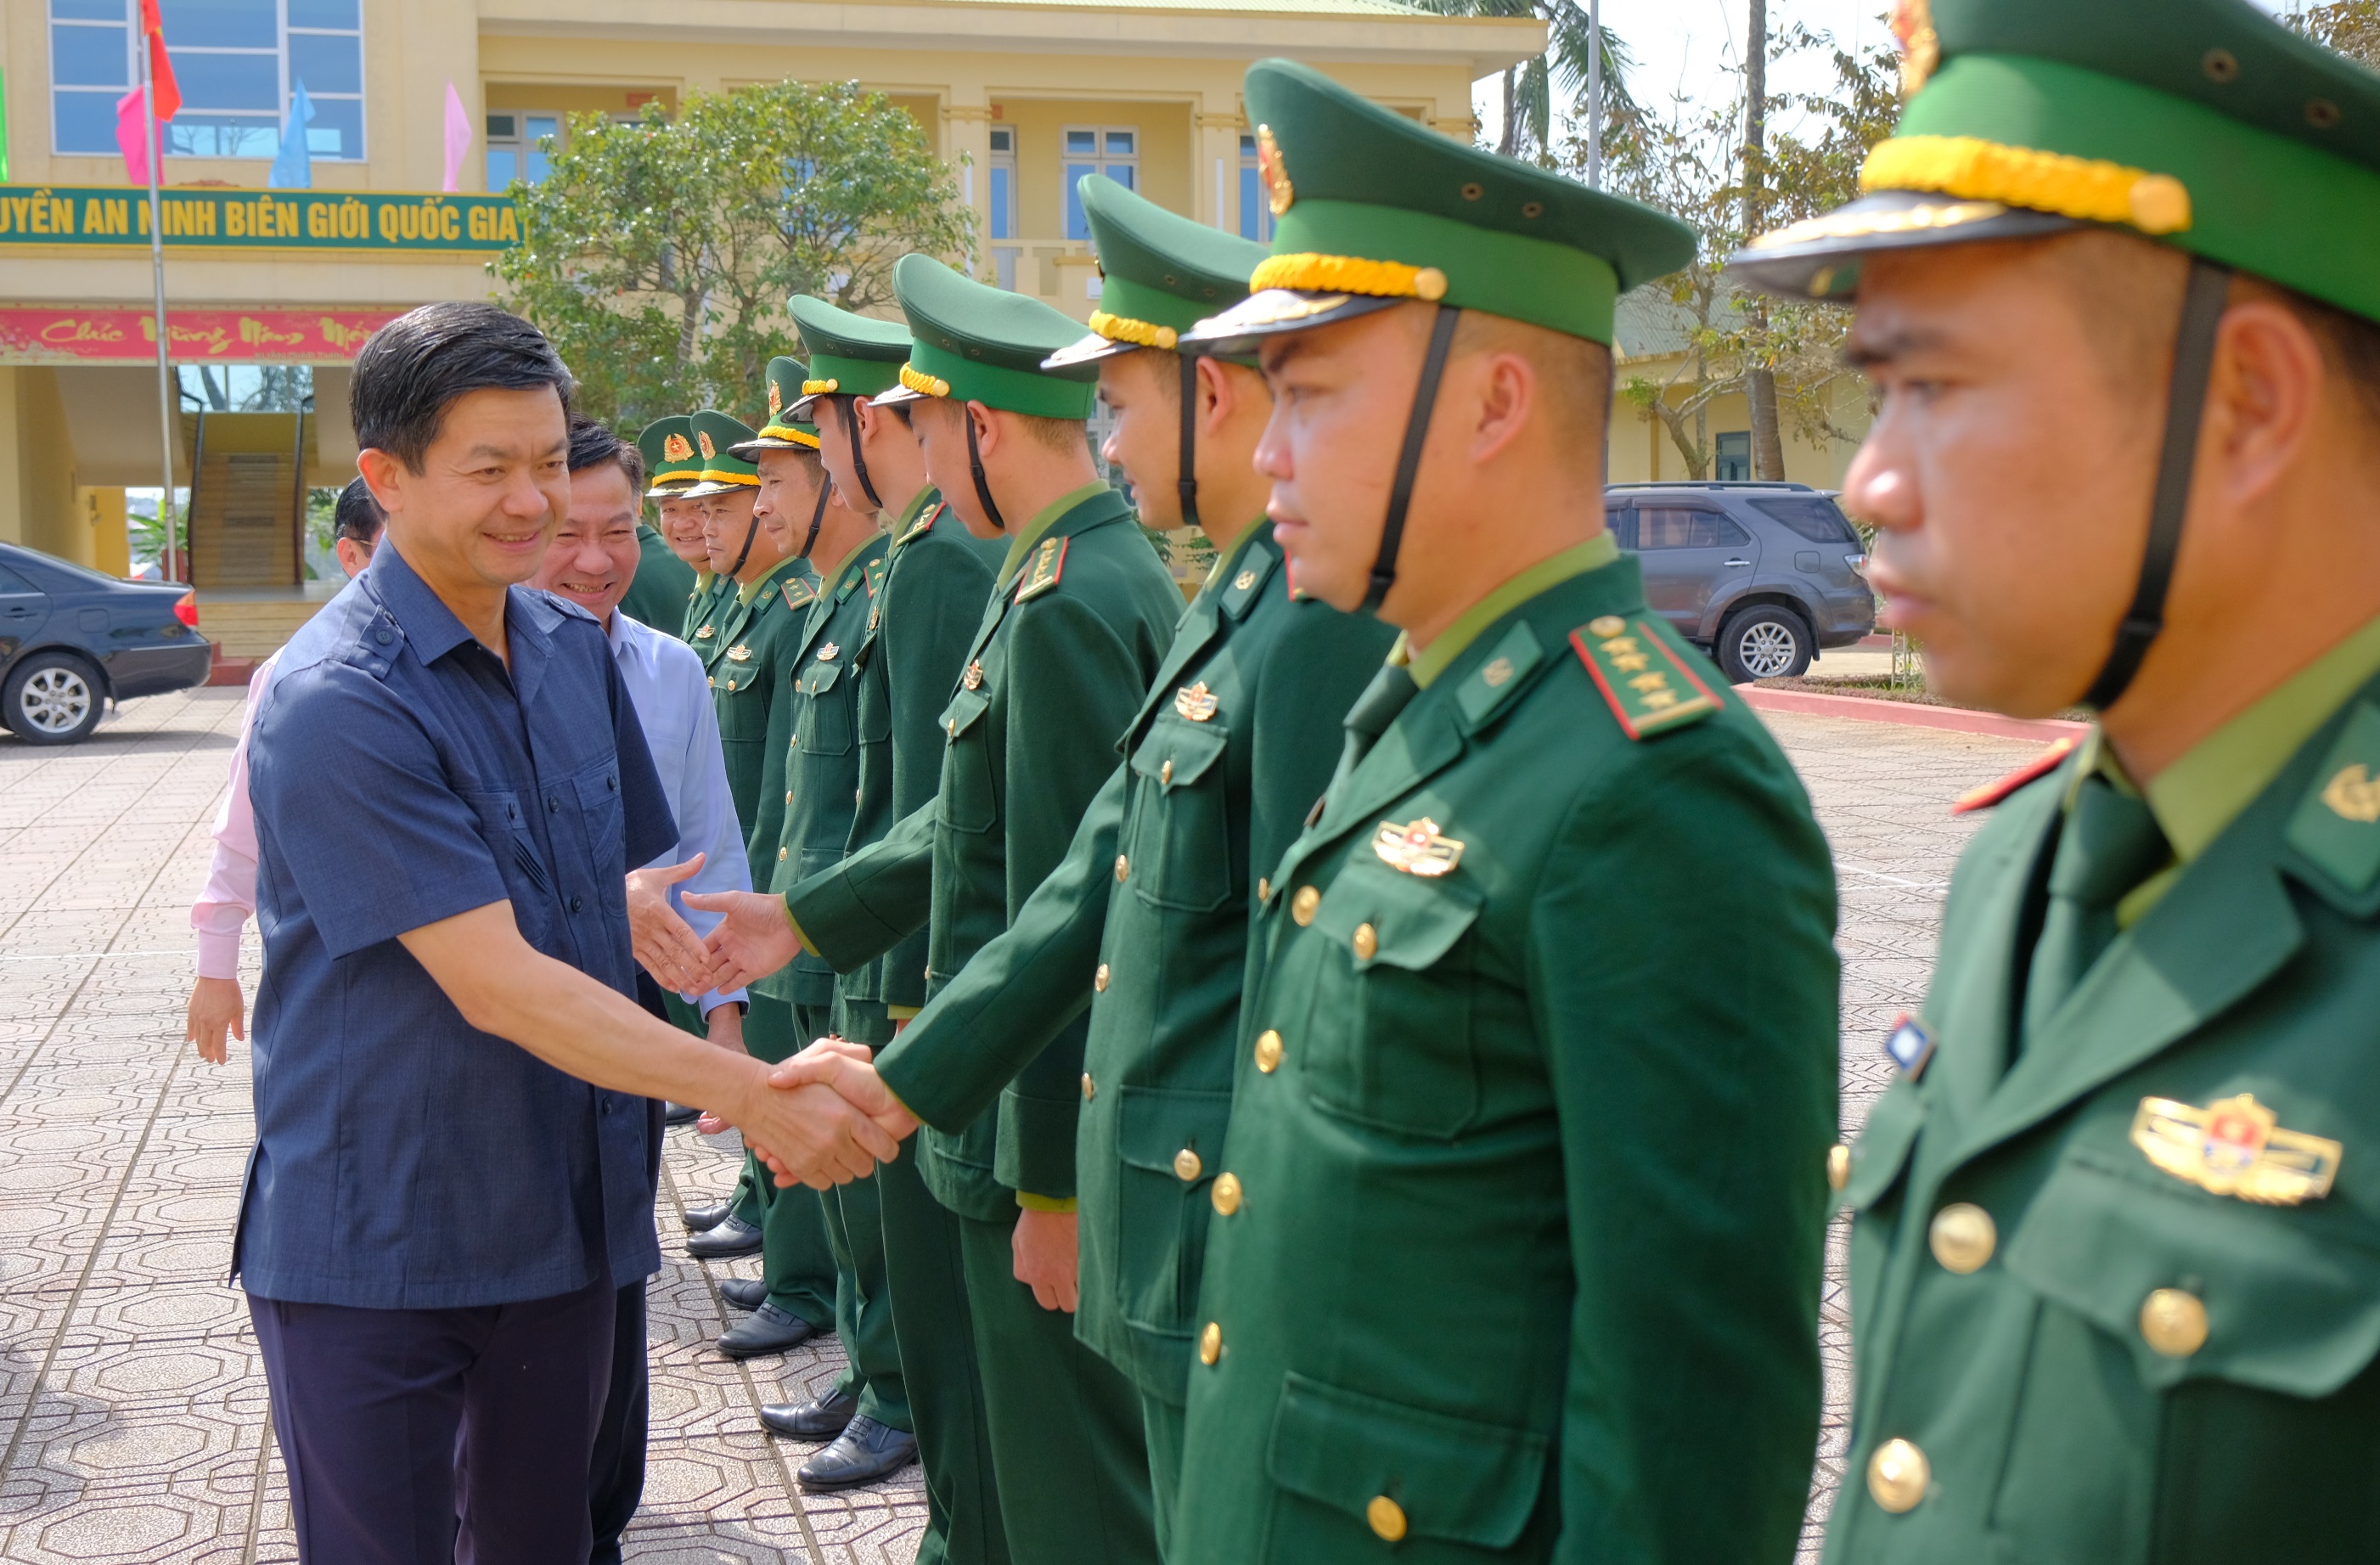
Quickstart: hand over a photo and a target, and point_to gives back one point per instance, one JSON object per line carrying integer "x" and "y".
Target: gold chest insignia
{"x": 1417, "y": 849}
{"x": 739, "y": 655}
{"x": 1194, "y": 701}
{"x": 973, "y": 678}
{"x": 2353, "y": 795}
{"x": 706, "y": 633}
{"x": 2235, "y": 1146}
{"x": 829, "y": 652}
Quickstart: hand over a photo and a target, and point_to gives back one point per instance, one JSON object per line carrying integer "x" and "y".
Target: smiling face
{"x": 787, "y": 497}
{"x": 491, "y": 488}
{"x": 593, "y": 556}
{"x": 682, "y": 530}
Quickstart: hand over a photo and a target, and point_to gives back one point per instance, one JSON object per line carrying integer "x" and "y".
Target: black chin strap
{"x": 1188, "y": 483}
{"x": 975, "y": 465}
{"x": 859, "y": 462}
{"x": 1392, "y": 533}
{"x": 2193, "y": 358}
{"x": 818, "y": 515}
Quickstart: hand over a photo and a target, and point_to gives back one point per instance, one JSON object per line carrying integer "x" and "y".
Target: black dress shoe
{"x": 743, "y": 1294}
{"x": 770, "y": 1331}
{"x": 823, "y": 1418}
{"x": 731, "y": 1236}
{"x": 864, "y": 1453}
{"x": 679, "y": 1114}
{"x": 702, "y": 1219}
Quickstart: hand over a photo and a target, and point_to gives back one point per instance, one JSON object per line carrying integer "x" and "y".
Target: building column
{"x": 966, "y": 142}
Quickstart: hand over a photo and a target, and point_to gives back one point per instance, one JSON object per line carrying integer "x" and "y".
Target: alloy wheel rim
{"x": 1765, "y": 649}
{"x": 55, "y": 700}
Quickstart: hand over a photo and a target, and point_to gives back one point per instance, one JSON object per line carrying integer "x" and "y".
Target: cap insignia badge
{"x": 973, "y": 678}
{"x": 2235, "y": 1146}
{"x": 1194, "y": 701}
{"x": 675, "y": 448}
{"x": 1921, "y": 50}
{"x": 739, "y": 655}
{"x": 776, "y": 398}
{"x": 1417, "y": 849}
{"x": 703, "y": 439}
{"x": 1279, "y": 192}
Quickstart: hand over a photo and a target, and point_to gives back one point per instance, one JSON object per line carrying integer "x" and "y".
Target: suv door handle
{"x": 1739, "y": 565}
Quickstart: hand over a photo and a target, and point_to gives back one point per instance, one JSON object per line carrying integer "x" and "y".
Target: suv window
{"x": 1685, "y": 526}
{"x": 1813, "y": 515}
{"x": 11, "y": 582}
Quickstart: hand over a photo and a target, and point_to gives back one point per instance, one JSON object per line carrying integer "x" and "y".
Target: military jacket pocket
{"x": 825, "y": 727}
{"x": 969, "y": 801}
{"x": 743, "y": 711}
{"x": 1179, "y": 840}
{"x": 1362, "y": 1460}
{"x": 1171, "y": 1147}
{"x": 1392, "y": 1001}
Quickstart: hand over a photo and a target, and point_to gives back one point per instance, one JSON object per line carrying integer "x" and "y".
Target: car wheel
{"x": 1764, "y": 642}
{"x": 53, "y": 698}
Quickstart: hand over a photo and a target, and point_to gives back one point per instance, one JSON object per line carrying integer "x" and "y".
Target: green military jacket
{"x": 1233, "y": 745}
{"x": 663, "y": 588}
{"x": 701, "y": 607}
{"x": 821, "y": 761}
{"x": 2103, "y": 1309}
{"x": 1059, "y": 663}
{"x": 1518, "y": 1218}
{"x": 749, "y": 661}
{"x": 907, "y": 665}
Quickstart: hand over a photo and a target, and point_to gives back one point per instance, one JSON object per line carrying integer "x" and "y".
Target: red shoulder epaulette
{"x": 1048, "y": 564}
{"x": 1991, "y": 794}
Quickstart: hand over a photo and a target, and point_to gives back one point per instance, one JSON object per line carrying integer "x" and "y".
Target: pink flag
{"x": 458, "y": 137}
{"x": 132, "y": 137}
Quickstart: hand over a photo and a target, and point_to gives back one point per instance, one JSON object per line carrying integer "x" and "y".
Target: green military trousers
{"x": 1165, "y": 1423}
{"x": 797, "y": 1257}
{"x": 745, "y": 1200}
{"x": 863, "y": 1300}
{"x": 1066, "y": 1437}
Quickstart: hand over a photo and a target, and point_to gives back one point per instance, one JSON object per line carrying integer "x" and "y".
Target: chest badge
{"x": 705, "y": 634}
{"x": 973, "y": 678}
{"x": 739, "y": 655}
{"x": 1418, "y": 849}
{"x": 1194, "y": 701}
{"x": 2235, "y": 1146}
{"x": 829, "y": 652}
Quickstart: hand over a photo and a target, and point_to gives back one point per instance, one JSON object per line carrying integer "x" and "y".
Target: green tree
{"x": 2351, "y": 27}
{"x": 1529, "y": 87}
{"x": 659, "y": 253}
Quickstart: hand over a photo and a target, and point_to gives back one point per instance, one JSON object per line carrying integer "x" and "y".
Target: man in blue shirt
{"x": 451, "y": 1178}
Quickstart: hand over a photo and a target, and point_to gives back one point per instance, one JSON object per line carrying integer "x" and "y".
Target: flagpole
{"x": 154, "y": 134}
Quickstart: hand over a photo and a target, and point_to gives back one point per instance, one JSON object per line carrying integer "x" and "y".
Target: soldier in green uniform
{"x": 750, "y": 656}
{"x": 1146, "y": 921}
{"x": 865, "y": 1413}
{"x": 672, "y": 467}
{"x": 2115, "y": 1287}
{"x": 1079, "y": 618}
{"x": 1516, "y": 1243}
{"x": 665, "y": 584}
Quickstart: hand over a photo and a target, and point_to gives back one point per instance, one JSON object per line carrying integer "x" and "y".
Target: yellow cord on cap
{"x": 783, "y": 432}
{"x": 819, "y": 388}
{"x": 1349, "y": 274}
{"x": 1125, "y": 329}
{"x": 2091, "y": 189}
{"x": 922, "y": 384}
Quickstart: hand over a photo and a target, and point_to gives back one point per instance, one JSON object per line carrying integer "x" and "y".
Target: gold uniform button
{"x": 781, "y": 853}
{"x": 1264, "y": 889}
{"x": 1226, "y": 1194}
{"x": 1839, "y": 1166}
{"x": 1897, "y": 1475}
{"x": 1123, "y": 867}
{"x": 1165, "y": 772}
{"x": 1186, "y": 1165}
{"x": 1367, "y": 942}
{"x": 1211, "y": 1344}
{"x": 1386, "y": 1517}
{"x": 789, "y": 796}
{"x": 1962, "y": 1237}
{"x": 1089, "y": 1091}
{"x": 1267, "y": 1052}
{"x": 2173, "y": 1322}
{"x": 1099, "y": 979}
{"x": 1302, "y": 905}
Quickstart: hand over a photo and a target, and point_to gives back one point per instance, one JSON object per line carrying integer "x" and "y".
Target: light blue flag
{"x": 292, "y": 169}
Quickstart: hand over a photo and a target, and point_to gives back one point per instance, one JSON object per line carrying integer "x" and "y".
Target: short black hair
{"x": 591, "y": 445}
{"x": 358, "y": 515}
{"x": 412, "y": 368}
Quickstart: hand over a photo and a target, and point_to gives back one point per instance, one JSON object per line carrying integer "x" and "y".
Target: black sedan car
{"x": 71, "y": 640}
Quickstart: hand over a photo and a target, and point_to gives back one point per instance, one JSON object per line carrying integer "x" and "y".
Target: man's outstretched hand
{"x": 810, "y": 1135}
{"x": 754, "y": 938}
{"x": 841, "y": 1069}
{"x": 666, "y": 946}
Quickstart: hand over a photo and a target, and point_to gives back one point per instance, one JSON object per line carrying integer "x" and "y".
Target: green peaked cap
{"x": 716, "y": 436}
{"x": 1371, "y": 208}
{"x": 976, "y": 343}
{"x": 1161, "y": 272}
{"x": 850, "y": 354}
{"x": 671, "y": 464}
{"x": 783, "y": 432}
{"x": 2204, "y": 124}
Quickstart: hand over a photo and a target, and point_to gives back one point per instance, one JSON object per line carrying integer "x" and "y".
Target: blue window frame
{"x": 1255, "y": 209}
{"x": 1111, "y": 150}
{"x": 237, "y": 63}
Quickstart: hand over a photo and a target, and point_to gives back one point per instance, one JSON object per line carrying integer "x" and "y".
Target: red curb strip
{"x": 1910, "y": 714}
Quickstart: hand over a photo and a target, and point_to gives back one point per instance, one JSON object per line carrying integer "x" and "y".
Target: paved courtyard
{"x": 132, "y": 1404}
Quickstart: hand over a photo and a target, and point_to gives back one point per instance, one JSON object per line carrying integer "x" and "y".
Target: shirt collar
{"x": 430, "y": 626}
{"x": 1430, "y": 662}
{"x": 1043, "y": 520}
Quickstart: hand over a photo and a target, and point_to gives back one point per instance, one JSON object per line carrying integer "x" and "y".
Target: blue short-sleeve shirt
{"x": 402, "y": 774}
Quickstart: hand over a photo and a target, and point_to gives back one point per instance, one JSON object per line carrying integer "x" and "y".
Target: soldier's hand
{"x": 216, "y": 1008}
{"x": 1045, "y": 1254}
{"x": 810, "y": 1135}
{"x": 666, "y": 946}
{"x": 754, "y": 939}
{"x": 847, "y": 1067}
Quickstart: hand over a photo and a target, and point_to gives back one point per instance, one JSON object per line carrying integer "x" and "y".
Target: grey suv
{"x": 1759, "y": 575}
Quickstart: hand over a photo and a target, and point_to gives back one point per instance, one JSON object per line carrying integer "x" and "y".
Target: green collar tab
{"x": 850, "y": 354}
{"x": 974, "y": 342}
{"x": 1426, "y": 664}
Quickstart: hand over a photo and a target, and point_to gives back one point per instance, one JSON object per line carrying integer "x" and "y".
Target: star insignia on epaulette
{"x": 1049, "y": 566}
{"x": 924, "y": 524}
{"x": 1648, "y": 687}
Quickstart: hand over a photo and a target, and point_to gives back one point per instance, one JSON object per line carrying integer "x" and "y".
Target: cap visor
{"x": 745, "y": 450}
{"x": 1088, "y": 350}
{"x": 699, "y": 489}
{"x": 1820, "y": 257}
{"x": 1274, "y": 312}
{"x": 674, "y": 489}
{"x": 898, "y": 393}
{"x": 800, "y": 406}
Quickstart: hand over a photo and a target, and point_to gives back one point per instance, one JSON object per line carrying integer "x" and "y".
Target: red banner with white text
{"x": 68, "y": 336}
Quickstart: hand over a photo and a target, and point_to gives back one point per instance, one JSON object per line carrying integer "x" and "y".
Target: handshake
{"x": 827, "y": 1118}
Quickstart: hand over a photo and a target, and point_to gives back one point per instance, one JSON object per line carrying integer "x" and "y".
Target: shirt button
{"x": 1302, "y": 905}
{"x": 2173, "y": 1322}
{"x": 1267, "y": 1052}
{"x": 1387, "y": 1518}
{"x": 552, "y": 805}
{"x": 1839, "y": 1166}
{"x": 1123, "y": 867}
{"x": 1089, "y": 1091}
{"x": 1211, "y": 1344}
{"x": 1897, "y": 1475}
{"x": 383, "y": 636}
{"x": 1226, "y": 1194}
{"x": 1186, "y": 1165}
{"x": 1962, "y": 1237}
{"x": 1099, "y": 979}
{"x": 576, "y": 903}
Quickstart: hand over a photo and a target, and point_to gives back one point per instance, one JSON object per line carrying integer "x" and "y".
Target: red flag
{"x": 164, "y": 92}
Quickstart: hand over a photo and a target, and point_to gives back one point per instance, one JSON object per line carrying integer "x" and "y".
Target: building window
{"x": 1111, "y": 150}
{"x": 1733, "y": 457}
{"x": 516, "y": 150}
{"x": 1003, "y": 182}
{"x": 1255, "y": 209}
{"x": 237, "y": 63}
